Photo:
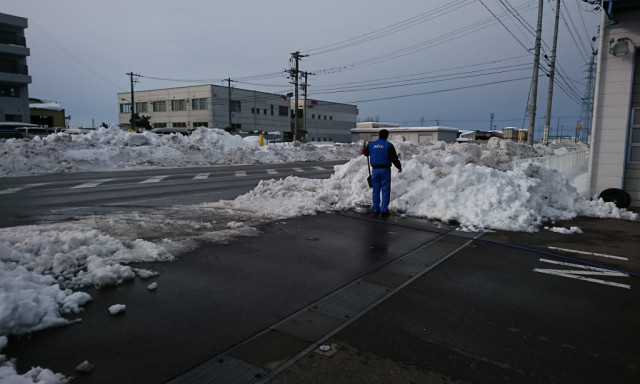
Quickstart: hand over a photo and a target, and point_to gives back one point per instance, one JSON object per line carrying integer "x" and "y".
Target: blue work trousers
{"x": 381, "y": 179}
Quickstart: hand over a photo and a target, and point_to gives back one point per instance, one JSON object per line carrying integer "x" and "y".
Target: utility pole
{"x": 229, "y": 102}
{"x": 304, "y": 88}
{"x": 552, "y": 71}
{"x": 587, "y": 99}
{"x": 491, "y": 122}
{"x": 133, "y": 103}
{"x": 534, "y": 82}
{"x": 294, "y": 73}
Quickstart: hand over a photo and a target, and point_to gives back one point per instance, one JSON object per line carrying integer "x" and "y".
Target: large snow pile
{"x": 112, "y": 148}
{"x": 44, "y": 267}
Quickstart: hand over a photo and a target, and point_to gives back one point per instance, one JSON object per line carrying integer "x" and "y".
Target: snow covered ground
{"x": 43, "y": 268}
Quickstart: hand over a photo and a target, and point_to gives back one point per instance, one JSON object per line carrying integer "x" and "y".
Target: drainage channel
{"x": 267, "y": 354}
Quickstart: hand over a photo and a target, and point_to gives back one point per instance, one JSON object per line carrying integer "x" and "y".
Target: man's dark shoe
{"x": 385, "y": 213}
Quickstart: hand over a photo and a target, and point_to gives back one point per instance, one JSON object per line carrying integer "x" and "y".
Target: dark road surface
{"x": 397, "y": 300}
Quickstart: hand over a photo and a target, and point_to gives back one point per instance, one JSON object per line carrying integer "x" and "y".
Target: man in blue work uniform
{"x": 382, "y": 154}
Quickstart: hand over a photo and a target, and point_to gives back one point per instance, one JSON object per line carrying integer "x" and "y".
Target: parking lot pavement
{"x": 350, "y": 297}
{"x": 501, "y": 310}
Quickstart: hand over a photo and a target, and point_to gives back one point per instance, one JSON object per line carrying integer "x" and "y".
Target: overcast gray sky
{"x": 411, "y": 62}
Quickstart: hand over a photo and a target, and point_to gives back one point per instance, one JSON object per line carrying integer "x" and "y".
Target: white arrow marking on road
{"x": 92, "y": 184}
{"x": 241, "y": 173}
{"x": 589, "y": 253}
{"x": 272, "y": 171}
{"x": 202, "y": 176}
{"x": 585, "y": 270}
{"x": 298, "y": 169}
{"x": 155, "y": 179}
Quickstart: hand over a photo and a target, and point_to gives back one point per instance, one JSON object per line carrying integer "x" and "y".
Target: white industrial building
{"x": 239, "y": 110}
{"x": 614, "y": 161}
{"x": 419, "y": 135}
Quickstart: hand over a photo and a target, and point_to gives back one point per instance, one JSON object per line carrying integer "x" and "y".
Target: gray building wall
{"x": 615, "y": 142}
{"x": 14, "y": 74}
{"x": 328, "y": 121}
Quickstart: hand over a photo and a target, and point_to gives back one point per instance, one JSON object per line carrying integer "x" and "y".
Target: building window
{"x": 634, "y": 144}
{"x": 271, "y": 109}
{"x": 199, "y": 104}
{"x": 9, "y": 90}
{"x": 313, "y": 115}
{"x": 253, "y": 111}
{"x": 159, "y": 106}
{"x": 179, "y": 125}
{"x": 142, "y": 107}
{"x": 125, "y": 108}
{"x": 236, "y": 106}
{"x": 198, "y": 124}
{"x": 283, "y": 111}
{"x": 159, "y": 125}
{"x": 13, "y": 118}
{"x": 178, "y": 105}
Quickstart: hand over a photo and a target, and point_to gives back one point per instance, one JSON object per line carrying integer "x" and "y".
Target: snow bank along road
{"x": 37, "y": 199}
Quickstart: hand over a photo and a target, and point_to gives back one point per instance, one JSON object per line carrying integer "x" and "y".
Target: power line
{"x": 440, "y": 90}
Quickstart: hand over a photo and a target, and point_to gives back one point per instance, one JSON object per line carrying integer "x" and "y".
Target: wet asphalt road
{"x": 474, "y": 311}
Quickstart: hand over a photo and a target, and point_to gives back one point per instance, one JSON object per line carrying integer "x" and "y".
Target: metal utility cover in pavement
{"x": 350, "y": 300}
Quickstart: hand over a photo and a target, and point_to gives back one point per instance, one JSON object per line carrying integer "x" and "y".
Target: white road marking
{"x": 241, "y": 173}
{"x": 155, "y": 179}
{"x": 319, "y": 168}
{"x": 18, "y": 189}
{"x": 272, "y": 171}
{"x": 588, "y": 253}
{"x": 92, "y": 184}
{"x": 202, "y": 176}
{"x": 298, "y": 169}
{"x": 584, "y": 271}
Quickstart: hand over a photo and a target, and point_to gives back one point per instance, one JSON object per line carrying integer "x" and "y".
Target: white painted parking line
{"x": 18, "y": 189}
{"x": 202, "y": 176}
{"x": 319, "y": 168}
{"x": 583, "y": 271}
{"x": 241, "y": 173}
{"x": 298, "y": 169}
{"x": 272, "y": 171}
{"x": 588, "y": 253}
{"x": 155, "y": 179}
{"x": 92, "y": 184}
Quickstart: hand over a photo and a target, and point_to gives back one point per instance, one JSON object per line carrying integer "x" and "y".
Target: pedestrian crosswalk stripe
{"x": 92, "y": 184}
{"x": 202, "y": 176}
{"x": 18, "y": 189}
{"x": 155, "y": 179}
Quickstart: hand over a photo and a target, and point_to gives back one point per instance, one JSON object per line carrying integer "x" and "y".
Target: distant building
{"x": 614, "y": 160}
{"x": 237, "y": 110}
{"x": 327, "y": 121}
{"x": 46, "y": 113}
{"x": 14, "y": 75}
{"x": 418, "y": 135}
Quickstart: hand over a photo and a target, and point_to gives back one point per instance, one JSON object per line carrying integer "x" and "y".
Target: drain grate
{"x": 225, "y": 369}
